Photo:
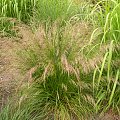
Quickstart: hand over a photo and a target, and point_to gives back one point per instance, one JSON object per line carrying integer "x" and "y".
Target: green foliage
{"x": 58, "y": 98}
{"x": 52, "y": 9}
{"x": 57, "y": 92}
{"x": 7, "y": 27}
{"x": 71, "y": 76}
{"x": 49, "y": 11}
{"x": 20, "y": 9}
{"x": 10, "y": 9}
{"x": 106, "y": 85}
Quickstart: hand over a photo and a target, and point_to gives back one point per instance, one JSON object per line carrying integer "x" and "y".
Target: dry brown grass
{"x": 10, "y": 74}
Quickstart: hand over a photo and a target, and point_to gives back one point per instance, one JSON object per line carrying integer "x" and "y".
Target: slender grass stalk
{"x": 109, "y": 64}
{"x": 22, "y": 10}
{"x": 102, "y": 67}
{"x": 113, "y": 90}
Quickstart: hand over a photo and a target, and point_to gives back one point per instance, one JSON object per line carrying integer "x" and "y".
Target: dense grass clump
{"x": 20, "y": 9}
{"x": 7, "y": 27}
{"x": 73, "y": 66}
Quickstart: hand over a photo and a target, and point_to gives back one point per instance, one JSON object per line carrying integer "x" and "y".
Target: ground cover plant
{"x": 72, "y": 65}
{"x": 21, "y": 10}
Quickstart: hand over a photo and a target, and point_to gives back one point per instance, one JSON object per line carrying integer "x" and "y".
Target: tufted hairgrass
{"x": 72, "y": 74}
